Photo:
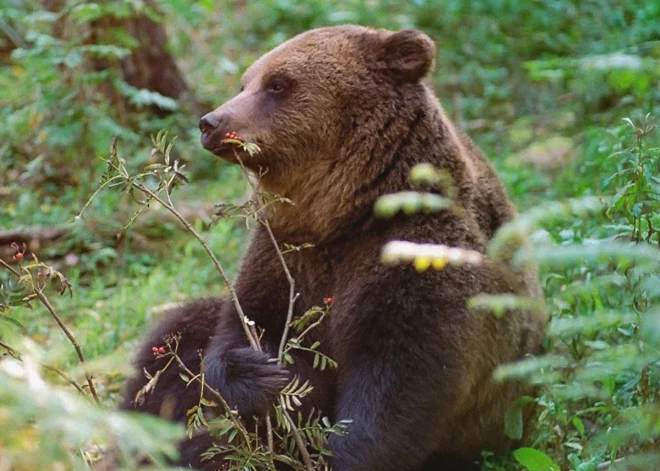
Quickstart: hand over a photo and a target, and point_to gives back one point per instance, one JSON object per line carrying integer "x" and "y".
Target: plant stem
{"x": 293, "y": 296}
{"x": 44, "y": 300}
{"x": 13, "y": 353}
{"x": 300, "y": 442}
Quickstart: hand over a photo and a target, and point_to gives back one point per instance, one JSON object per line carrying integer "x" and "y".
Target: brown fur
{"x": 341, "y": 116}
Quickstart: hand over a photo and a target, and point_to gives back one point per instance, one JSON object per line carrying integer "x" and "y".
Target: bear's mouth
{"x": 225, "y": 148}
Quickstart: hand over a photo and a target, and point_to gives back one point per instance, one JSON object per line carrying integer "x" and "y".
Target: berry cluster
{"x": 233, "y": 135}
{"x": 158, "y": 350}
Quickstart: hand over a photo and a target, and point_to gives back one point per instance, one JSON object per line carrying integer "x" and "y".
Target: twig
{"x": 13, "y": 353}
{"x": 44, "y": 300}
{"x": 248, "y": 326}
{"x": 269, "y": 434}
{"x": 10, "y": 268}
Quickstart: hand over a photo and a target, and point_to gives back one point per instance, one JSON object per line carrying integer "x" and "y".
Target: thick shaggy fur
{"x": 342, "y": 115}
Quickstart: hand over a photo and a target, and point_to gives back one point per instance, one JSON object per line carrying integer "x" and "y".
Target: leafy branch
{"x": 36, "y": 285}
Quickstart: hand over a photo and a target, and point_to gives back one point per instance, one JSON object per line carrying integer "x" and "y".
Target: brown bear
{"x": 342, "y": 115}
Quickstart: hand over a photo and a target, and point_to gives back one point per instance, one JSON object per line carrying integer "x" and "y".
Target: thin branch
{"x": 293, "y": 296}
{"x": 232, "y": 292}
{"x": 10, "y": 268}
{"x": 44, "y": 300}
{"x": 300, "y": 442}
{"x": 269, "y": 434}
{"x": 98, "y": 190}
{"x": 311, "y": 327}
{"x": 13, "y": 353}
{"x": 68, "y": 379}
{"x": 248, "y": 326}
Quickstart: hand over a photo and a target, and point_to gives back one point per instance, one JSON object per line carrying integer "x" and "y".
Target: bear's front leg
{"x": 402, "y": 378}
{"x": 247, "y": 379}
{"x": 396, "y": 416}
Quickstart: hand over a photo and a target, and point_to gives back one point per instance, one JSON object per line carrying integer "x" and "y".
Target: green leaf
{"x": 86, "y": 12}
{"x": 513, "y": 420}
{"x": 535, "y": 460}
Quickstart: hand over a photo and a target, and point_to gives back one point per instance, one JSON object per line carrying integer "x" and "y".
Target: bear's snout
{"x": 208, "y": 123}
{"x": 213, "y": 126}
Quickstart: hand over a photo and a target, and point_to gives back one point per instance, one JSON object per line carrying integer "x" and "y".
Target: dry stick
{"x": 300, "y": 442}
{"x": 44, "y": 300}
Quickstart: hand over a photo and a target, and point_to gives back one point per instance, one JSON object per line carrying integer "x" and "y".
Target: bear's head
{"x": 299, "y": 101}
{"x": 332, "y": 110}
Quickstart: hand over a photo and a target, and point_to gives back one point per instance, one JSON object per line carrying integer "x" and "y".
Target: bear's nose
{"x": 208, "y": 123}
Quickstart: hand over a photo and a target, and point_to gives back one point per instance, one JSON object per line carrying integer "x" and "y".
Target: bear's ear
{"x": 409, "y": 54}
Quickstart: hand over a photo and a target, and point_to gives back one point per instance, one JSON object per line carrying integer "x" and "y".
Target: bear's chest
{"x": 313, "y": 270}
{"x": 322, "y": 273}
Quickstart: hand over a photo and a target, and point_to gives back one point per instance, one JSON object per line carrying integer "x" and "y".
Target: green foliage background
{"x": 542, "y": 86}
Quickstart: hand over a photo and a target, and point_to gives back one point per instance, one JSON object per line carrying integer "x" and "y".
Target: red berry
{"x": 18, "y": 256}
{"x": 161, "y": 350}
{"x": 154, "y": 349}
{"x": 327, "y": 300}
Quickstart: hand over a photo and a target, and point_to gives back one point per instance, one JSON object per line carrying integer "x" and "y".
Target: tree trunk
{"x": 150, "y": 66}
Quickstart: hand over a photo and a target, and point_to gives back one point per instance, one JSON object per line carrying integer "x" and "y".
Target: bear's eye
{"x": 276, "y": 86}
{"x": 242, "y": 89}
